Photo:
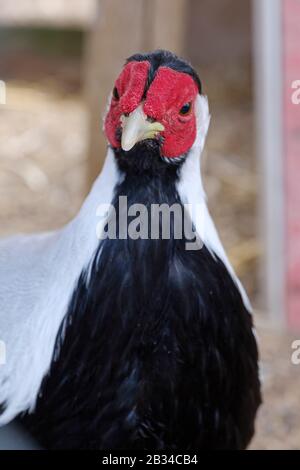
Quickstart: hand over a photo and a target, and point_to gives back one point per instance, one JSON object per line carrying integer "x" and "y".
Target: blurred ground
{"x": 42, "y": 157}
{"x": 42, "y": 183}
{"x": 278, "y": 424}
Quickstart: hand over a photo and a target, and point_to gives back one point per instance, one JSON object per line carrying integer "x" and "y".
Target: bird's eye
{"x": 186, "y": 108}
{"x": 116, "y": 94}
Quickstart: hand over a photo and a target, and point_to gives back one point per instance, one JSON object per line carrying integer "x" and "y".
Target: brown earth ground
{"x": 43, "y": 141}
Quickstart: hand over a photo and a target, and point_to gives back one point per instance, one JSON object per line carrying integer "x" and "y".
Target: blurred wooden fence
{"x": 54, "y": 13}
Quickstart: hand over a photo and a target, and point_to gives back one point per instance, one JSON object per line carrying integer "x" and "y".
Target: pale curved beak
{"x": 136, "y": 127}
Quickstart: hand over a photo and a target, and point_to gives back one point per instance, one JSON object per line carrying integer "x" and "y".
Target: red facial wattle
{"x": 130, "y": 87}
{"x": 168, "y": 93}
{"x": 166, "y": 97}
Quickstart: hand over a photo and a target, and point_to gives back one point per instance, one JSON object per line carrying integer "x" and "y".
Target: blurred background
{"x": 58, "y": 62}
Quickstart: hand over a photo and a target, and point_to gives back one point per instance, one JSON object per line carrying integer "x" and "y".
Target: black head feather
{"x": 165, "y": 58}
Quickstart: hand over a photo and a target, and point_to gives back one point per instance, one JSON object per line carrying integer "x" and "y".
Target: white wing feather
{"x": 37, "y": 277}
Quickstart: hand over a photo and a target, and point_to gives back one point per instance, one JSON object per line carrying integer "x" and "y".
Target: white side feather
{"x": 37, "y": 277}
{"x": 191, "y": 192}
